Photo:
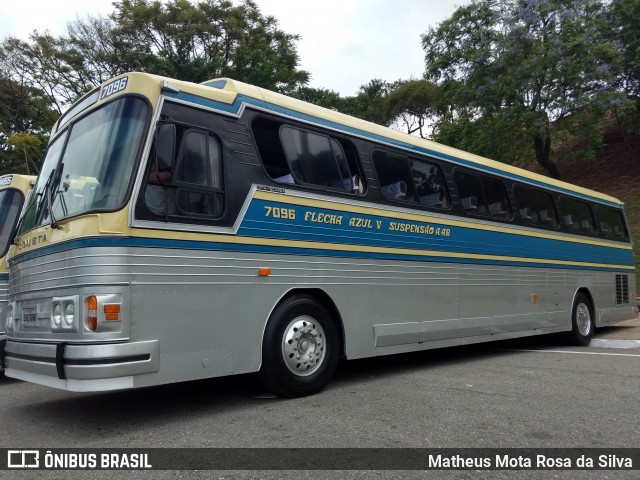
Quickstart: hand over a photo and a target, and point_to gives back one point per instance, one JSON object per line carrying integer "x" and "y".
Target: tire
{"x": 582, "y": 321}
{"x": 300, "y": 349}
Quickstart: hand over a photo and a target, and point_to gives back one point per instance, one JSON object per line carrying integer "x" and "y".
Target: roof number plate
{"x": 114, "y": 87}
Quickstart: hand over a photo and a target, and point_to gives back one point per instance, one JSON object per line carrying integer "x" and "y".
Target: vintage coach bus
{"x": 182, "y": 231}
{"x": 13, "y": 192}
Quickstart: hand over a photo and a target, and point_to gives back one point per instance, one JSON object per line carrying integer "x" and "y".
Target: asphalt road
{"x": 534, "y": 393}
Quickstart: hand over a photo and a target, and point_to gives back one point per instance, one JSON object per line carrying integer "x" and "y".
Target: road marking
{"x": 570, "y": 351}
{"x": 609, "y": 343}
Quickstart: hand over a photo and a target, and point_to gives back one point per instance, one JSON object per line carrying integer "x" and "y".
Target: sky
{"x": 344, "y": 44}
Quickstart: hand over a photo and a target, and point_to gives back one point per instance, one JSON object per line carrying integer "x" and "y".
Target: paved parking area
{"x": 531, "y": 393}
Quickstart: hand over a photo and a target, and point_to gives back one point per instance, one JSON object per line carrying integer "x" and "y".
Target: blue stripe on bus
{"x": 4, "y": 277}
{"x": 274, "y": 249}
{"x": 458, "y": 239}
{"x": 242, "y": 99}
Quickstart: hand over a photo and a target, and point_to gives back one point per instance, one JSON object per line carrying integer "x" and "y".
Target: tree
{"x": 411, "y": 104}
{"x": 478, "y": 135}
{"x": 625, "y": 20}
{"x": 212, "y": 38}
{"x": 535, "y": 61}
{"x": 320, "y": 96}
{"x": 26, "y": 118}
{"x": 41, "y": 77}
{"x": 368, "y": 103}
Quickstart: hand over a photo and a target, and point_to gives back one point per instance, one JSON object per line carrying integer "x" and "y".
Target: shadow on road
{"x": 123, "y": 410}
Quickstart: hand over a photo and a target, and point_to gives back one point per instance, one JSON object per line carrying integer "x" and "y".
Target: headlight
{"x": 69, "y": 313}
{"x": 63, "y": 313}
{"x": 57, "y": 314}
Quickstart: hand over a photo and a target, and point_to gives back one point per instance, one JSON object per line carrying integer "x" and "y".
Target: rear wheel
{"x": 582, "y": 321}
{"x": 300, "y": 348}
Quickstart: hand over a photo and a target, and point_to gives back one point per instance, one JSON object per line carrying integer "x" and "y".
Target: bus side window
{"x": 198, "y": 175}
{"x": 265, "y": 133}
{"x": 470, "y": 193}
{"x": 315, "y": 159}
{"x": 611, "y": 223}
{"x": 577, "y": 216}
{"x": 536, "y": 207}
{"x": 430, "y": 184}
{"x": 497, "y": 200}
{"x": 394, "y": 175}
{"x": 294, "y": 156}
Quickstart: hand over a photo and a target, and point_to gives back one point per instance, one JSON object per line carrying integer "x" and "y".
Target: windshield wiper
{"x": 47, "y": 204}
{"x": 40, "y": 211}
{"x": 53, "y": 187}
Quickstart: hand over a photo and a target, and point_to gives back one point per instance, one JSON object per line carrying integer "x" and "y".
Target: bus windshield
{"x": 90, "y": 165}
{"x": 10, "y": 204}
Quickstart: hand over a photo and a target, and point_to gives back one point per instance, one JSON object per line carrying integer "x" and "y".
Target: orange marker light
{"x": 92, "y": 312}
{"x": 534, "y": 298}
{"x": 111, "y": 313}
{"x": 264, "y": 272}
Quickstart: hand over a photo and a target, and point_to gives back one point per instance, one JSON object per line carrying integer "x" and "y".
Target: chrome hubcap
{"x": 303, "y": 345}
{"x": 583, "y": 319}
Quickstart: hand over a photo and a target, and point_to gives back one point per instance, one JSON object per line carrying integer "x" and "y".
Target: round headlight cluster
{"x": 69, "y": 313}
{"x": 57, "y": 314}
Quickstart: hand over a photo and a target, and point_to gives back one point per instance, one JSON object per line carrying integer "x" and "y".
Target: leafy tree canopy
{"x": 368, "y": 103}
{"x": 412, "y": 103}
{"x": 536, "y": 61}
{"x": 26, "y": 117}
{"x": 196, "y": 42}
{"x": 625, "y": 20}
{"x": 209, "y": 39}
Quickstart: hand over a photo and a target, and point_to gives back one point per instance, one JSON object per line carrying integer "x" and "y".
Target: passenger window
{"x": 470, "y": 193}
{"x": 482, "y": 196}
{"x": 294, "y": 156}
{"x": 312, "y": 159}
{"x": 394, "y": 175}
{"x": 611, "y": 223}
{"x": 271, "y": 152}
{"x": 536, "y": 207}
{"x": 576, "y": 216}
{"x": 430, "y": 184}
{"x": 496, "y": 196}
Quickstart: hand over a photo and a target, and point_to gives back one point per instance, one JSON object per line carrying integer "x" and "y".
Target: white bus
{"x": 181, "y": 231}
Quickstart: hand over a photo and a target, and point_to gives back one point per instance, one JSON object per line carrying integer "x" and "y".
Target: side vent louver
{"x": 622, "y": 289}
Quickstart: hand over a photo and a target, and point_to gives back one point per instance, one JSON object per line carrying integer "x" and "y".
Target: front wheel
{"x": 582, "y": 321}
{"x": 300, "y": 349}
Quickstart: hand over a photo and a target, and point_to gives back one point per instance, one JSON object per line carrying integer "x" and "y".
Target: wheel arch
{"x": 327, "y": 302}
{"x": 587, "y": 292}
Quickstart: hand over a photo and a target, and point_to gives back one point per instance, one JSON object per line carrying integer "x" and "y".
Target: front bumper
{"x": 81, "y": 367}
